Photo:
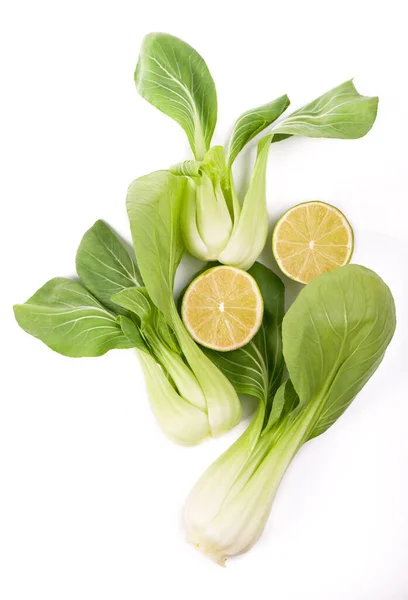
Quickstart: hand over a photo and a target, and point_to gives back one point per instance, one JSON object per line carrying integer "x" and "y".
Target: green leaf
{"x": 334, "y": 337}
{"x": 153, "y": 205}
{"x": 68, "y": 319}
{"x": 253, "y": 122}
{"x": 104, "y": 265}
{"x": 167, "y": 336}
{"x": 284, "y": 403}
{"x": 257, "y": 368}
{"x": 173, "y": 77}
{"x": 340, "y": 113}
{"x": 138, "y": 302}
{"x": 132, "y": 333}
{"x": 135, "y": 300}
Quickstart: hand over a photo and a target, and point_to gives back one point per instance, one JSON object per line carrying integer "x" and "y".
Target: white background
{"x": 91, "y": 492}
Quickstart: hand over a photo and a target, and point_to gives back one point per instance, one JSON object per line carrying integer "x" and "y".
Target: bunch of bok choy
{"x": 110, "y": 308}
{"x": 334, "y": 338}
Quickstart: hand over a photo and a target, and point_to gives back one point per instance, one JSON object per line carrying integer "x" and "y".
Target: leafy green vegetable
{"x": 159, "y": 339}
{"x": 138, "y": 302}
{"x": 213, "y": 223}
{"x": 132, "y": 333}
{"x": 134, "y": 300}
{"x": 340, "y": 355}
{"x": 182, "y": 421}
{"x": 70, "y": 319}
{"x": 340, "y": 113}
{"x": 154, "y": 204}
{"x": 66, "y": 317}
{"x": 334, "y": 337}
{"x": 173, "y": 77}
{"x": 154, "y": 335}
{"x": 104, "y": 265}
{"x": 253, "y": 122}
{"x": 284, "y": 402}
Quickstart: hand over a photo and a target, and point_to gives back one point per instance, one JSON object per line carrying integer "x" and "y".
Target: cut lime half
{"x": 310, "y": 239}
{"x": 223, "y": 308}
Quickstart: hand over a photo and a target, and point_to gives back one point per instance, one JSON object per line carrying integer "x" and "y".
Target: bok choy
{"x": 154, "y": 204}
{"x": 174, "y": 78}
{"x": 334, "y": 335}
{"x": 109, "y": 308}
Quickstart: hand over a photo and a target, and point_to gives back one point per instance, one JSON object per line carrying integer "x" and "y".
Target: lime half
{"x": 310, "y": 239}
{"x": 223, "y": 308}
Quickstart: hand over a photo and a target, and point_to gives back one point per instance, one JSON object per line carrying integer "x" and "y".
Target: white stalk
{"x": 188, "y": 220}
{"x": 180, "y": 420}
{"x": 249, "y": 236}
{"x": 223, "y": 405}
{"x": 205, "y": 219}
{"x": 213, "y": 219}
{"x": 228, "y": 508}
{"x": 182, "y": 376}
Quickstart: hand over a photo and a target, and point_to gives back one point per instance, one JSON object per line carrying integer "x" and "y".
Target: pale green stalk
{"x": 182, "y": 376}
{"x": 180, "y": 420}
{"x": 222, "y": 403}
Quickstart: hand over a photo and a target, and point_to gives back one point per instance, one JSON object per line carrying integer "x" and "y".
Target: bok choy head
{"x": 154, "y": 205}
{"x": 334, "y": 336}
{"x": 216, "y": 225}
{"x": 109, "y": 308}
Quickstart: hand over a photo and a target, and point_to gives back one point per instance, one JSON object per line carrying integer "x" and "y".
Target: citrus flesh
{"x": 223, "y": 308}
{"x": 310, "y": 239}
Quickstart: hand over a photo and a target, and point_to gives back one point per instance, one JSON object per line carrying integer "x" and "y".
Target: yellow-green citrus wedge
{"x": 310, "y": 239}
{"x": 223, "y": 308}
